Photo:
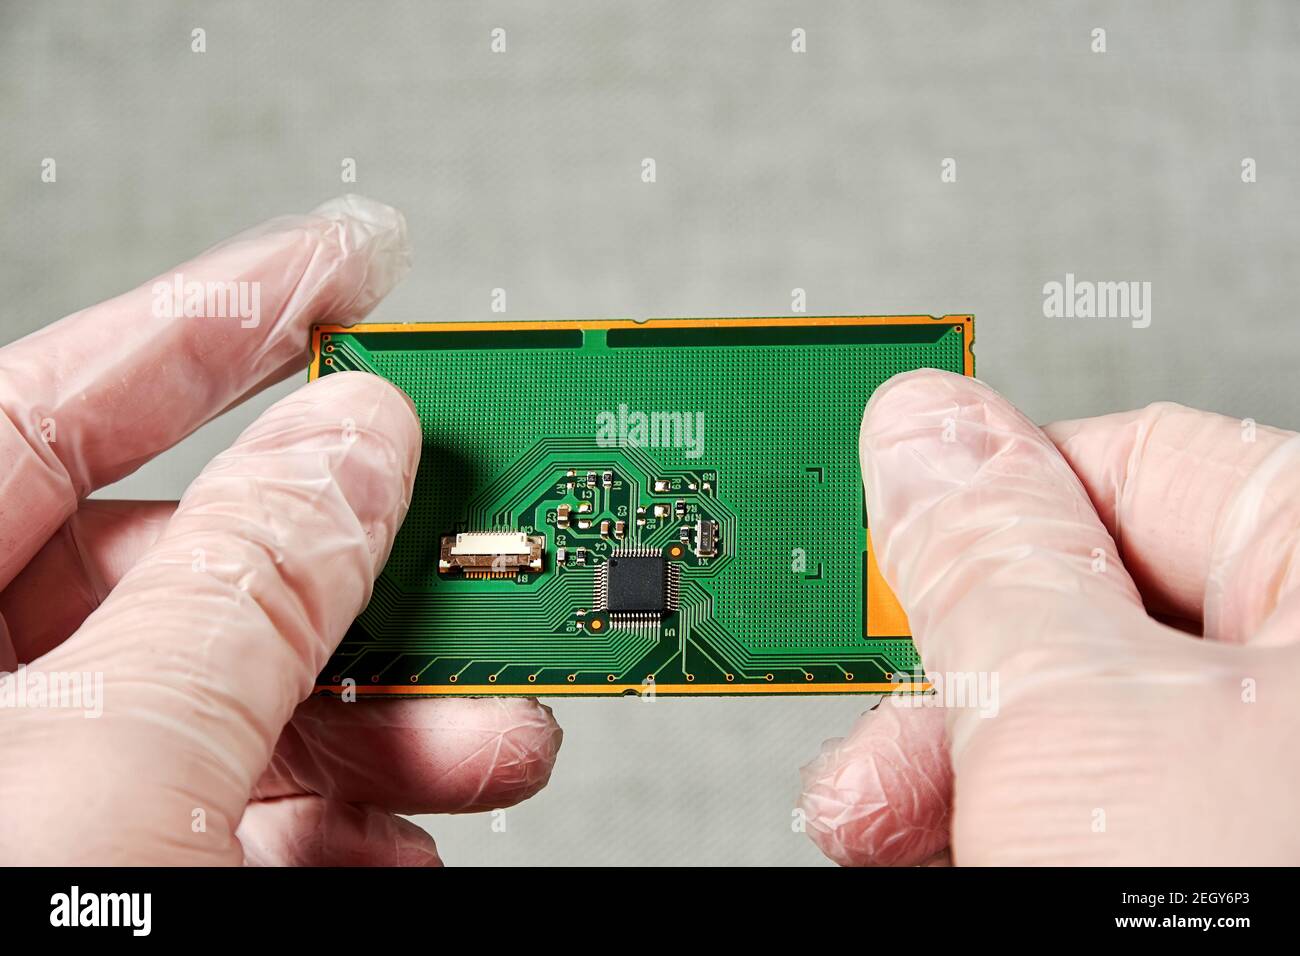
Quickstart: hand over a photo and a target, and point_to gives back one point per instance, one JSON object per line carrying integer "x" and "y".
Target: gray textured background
{"x": 775, "y": 170}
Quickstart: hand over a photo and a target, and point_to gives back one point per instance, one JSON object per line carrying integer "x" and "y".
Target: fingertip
{"x": 904, "y": 405}
{"x": 922, "y": 434}
{"x": 437, "y": 755}
{"x": 333, "y": 264}
{"x": 370, "y": 428}
{"x": 313, "y": 831}
{"x": 907, "y": 419}
{"x": 938, "y": 449}
{"x": 882, "y": 795}
{"x": 907, "y": 388}
{"x": 919, "y": 392}
{"x": 368, "y": 398}
{"x": 376, "y": 234}
{"x": 515, "y": 743}
{"x": 476, "y": 753}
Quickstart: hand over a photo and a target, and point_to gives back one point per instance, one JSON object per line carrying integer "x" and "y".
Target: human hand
{"x": 1035, "y": 554}
{"x": 208, "y": 621}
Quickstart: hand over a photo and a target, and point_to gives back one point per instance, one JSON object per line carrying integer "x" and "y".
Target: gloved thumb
{"x": 214, "y": 636}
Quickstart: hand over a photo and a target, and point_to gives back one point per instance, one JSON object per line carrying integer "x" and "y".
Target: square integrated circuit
{"x": 636, "y": 585}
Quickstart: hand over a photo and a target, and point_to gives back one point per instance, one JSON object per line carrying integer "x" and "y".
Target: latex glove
{"x": 209, "y": 620}
{"x": 1031, "y": 553}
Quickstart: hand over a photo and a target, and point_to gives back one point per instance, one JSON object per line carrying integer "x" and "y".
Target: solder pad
{"x": 725, "y": 451}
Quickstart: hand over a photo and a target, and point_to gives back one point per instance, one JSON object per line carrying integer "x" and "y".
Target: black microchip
{"x": 636, "y": 585}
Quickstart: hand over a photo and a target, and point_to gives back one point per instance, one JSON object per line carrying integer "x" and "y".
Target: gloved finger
{"x": 1162, "y": 480}
{"x": 446, "y": 755}
{"x": 413, "y": 756}
{"x": 88, "y": 399}
{"x": 990, "y": 543}
{"x": 215, "y": 635}
{"x": 1205, "y": 509}
{"x": 882, "y": 795}
{"x": 81, "y": 563}
{"x": 313, "y": 831}
{"x": 983, "y": 531}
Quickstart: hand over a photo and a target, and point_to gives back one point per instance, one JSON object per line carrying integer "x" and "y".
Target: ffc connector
{"x": 491, "y": 553}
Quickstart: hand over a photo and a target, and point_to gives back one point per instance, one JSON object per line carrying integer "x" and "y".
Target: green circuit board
{"x": 606, "y": 508}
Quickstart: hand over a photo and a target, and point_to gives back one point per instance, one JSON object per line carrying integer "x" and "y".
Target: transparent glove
{"x": 1072, "y": 562}
{"x": 206, "y": 621}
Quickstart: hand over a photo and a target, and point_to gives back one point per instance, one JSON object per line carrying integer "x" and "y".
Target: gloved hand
{"x": 1036, "y": 555}
{"x": 208, "y": 620}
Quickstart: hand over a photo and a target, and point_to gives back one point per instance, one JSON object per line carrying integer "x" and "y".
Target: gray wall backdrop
{"x": 775, "y": 170}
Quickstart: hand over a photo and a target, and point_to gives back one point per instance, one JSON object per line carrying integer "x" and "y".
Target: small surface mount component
{"x": 675, "y": 503}
{"x": 706, "y": 538}
{"x": 491, "y": 553}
